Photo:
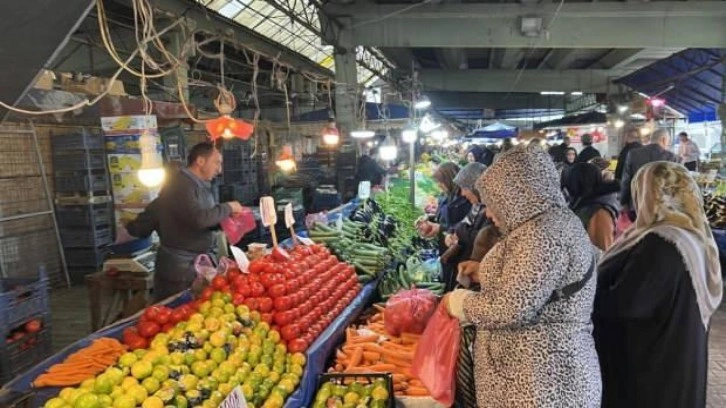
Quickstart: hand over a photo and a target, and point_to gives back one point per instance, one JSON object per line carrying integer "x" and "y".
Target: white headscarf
{"x": 668, "y": 203}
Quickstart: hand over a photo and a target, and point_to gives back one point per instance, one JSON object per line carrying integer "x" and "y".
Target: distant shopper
{"x": 604, "y": 165}
{"x": 589, "y": 152}
{"x": 632, "y": 141}
{"x": 480, "y": 154}
{"x": 506, "y": 145}
{"x": 534, "y": 346}
{"x": 657, "y": 150}
{"x": 688, "y": 152}
{"x": 564, "y": 167}
{"x": 559, "y": 152}
{"x": 595, "y": 203}
{"x": 657, "y": 289}
{"x": 369, "y": 169}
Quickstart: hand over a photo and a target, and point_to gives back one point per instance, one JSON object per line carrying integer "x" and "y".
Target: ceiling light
{"x": 225, "y": 126}
{"x": 409, "y": 134}
{"x": 286, "y": 160}
{"x": 331, "y": 135}
{"x": 427, "y": 124}
{"x": 440, "y": 134}
{"x": 577, "y": 93}
{"x": 362, "y": 134}
{"x": 619, "y": 123}
{"x": 551, "y": 93}
{"x": 388, "y": 150}
{"x": 151, "y": 173}
{"x": 623, "y": 108}
{"x": 656, "y": 102}
{"x": 422, "y": 103}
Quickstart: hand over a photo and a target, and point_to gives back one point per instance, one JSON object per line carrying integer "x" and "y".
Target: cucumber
{"x": 364, "y": 269}
{"x": 363, "y": 279}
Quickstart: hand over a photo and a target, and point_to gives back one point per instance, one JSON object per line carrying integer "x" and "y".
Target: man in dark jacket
{"x": 632, "y": 141}
{"x": 589, "y": 152}
{"x": 657, "y": 150}
{"x": 559, "y": 152}
{"x": 369, "y": 169}
{"x": 186, "y": 217}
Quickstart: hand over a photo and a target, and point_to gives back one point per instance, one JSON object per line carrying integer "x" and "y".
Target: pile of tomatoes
{"x": 298, "y": 293}
{"x": 23, "y": 332}
{"x": 153, "y": 320}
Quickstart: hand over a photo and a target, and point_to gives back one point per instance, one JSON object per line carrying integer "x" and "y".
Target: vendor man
{"x": 186, "y": 217}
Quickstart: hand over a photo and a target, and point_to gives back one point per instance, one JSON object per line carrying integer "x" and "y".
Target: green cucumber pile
{"x": 350, "y": 244}
{"x": 413, "y": 274}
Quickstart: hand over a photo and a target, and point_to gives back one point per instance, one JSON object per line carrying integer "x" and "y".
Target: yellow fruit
{"x": 142, "y": 369}
{"x": 88, "y": 400}
{"x": 124, "y": 401}
{"x": 218, "y": 338}
{"x": 66, "y": 394}
{"x": 105, "y": 401}
{"x": 151, "y": 384}
{"x": 89, "y": 384}
{"x": 129, "y": 382}
{"x": 55, "y": 403}
{"x": 139, "y": 393}
{"x": 153, "y": 402}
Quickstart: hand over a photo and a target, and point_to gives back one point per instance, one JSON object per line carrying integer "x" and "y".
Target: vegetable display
{"x": 82, "y": 365}
{"x": 415, "y": 273}
{"x": 352, "y": 392}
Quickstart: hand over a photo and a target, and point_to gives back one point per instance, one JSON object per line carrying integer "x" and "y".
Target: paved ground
{"x": 71, "y": 321}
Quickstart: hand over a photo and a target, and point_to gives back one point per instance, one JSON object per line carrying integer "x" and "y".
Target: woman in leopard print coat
{"x": 532, "y": 350}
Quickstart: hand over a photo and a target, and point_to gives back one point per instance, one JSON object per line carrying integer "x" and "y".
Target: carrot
{"x": 397, "y": 377}
{"x": 340, "y": 354}
{"x": 381, "y": 368}
{"x": 399, "y": 387}
{"x": 417, "y": 391}
{"x": 359, "y": 370}
{"x": 82, "y": 365}
{"x": 364, "y": 339}
{"x": 371, "y": 356}
{"x": 356, "y": 357}
{"x": 380, "y": 308}
{"x": 397, "y": 362}
{"x": 373, "y": 347}
{"x": 339, "y": 367}
{"x": 397, "y": 354}
{"x": 397, "y": 347}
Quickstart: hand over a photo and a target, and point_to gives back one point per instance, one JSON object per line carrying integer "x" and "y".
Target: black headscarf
{"x": 585, "y": 186}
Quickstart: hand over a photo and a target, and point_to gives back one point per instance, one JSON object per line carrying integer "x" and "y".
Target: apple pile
{"x": 298, "y": 293}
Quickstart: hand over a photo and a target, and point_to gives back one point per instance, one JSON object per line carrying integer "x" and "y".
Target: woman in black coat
{"x": 658, "y": 287}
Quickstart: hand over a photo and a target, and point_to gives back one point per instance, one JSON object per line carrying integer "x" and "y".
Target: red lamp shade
{"x": 228, "y": 127}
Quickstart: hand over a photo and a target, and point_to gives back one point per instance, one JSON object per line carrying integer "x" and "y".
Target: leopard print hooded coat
{"x": 531, "y": 352}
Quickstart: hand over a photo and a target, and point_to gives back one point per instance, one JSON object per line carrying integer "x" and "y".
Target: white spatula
{"x": 290, "y": 221}
{"x": 268, "y": 212}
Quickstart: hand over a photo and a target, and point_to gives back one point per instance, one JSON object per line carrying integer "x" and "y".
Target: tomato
{"x": 290, "y": 286}
{"x": 282, "y": 303}
{"x": 137, "y": 342}
{"x": 245, "y": 290}
{"x": 277, "y": 290}
{"x": 298, "y": 346}
{"x": 232, "y": 274}
{"x": 219, "y": 282}
{"x": 149, "y": 329}
{"x": 265, "y": 304}
{"x": 151, "y": 313}
{"x": 252, "y": 303}
{"x": 207, "y": 293}
{"x": 238, "y": 299}
{"x": 163, "y": 315}
{"x": 33, "y": 326}
{"x": 256, "y": 267}
{"x": 290, "y": 332}
{"x": 268, "y": 317}
{"x": 257, "y": 289}
{"x": 269, "y": 279}
{"x": 178, "y": 315}
{"x": 309, "y": 337}
{"x": 283, "y": 318}
{"x": 167, "y": 327}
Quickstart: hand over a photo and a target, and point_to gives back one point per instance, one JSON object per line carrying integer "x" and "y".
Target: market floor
{"x": 71, "y": 321}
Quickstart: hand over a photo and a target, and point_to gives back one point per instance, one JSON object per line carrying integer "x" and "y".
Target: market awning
{"x": 496, "y": 130}
{"x": 689, "y": 81}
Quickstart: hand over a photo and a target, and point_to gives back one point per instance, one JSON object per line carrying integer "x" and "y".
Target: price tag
{"x": 289, "y": 217}
{"x": 305, "y": 241}
{"x": 235, "y": 399}
{"x": 241, "y": 258}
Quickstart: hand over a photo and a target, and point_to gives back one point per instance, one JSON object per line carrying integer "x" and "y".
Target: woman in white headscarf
{"x": 658, "y": 287}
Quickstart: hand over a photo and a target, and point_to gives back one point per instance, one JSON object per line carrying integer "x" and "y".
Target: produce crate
{"x": 88, "y": 215}
{"x": 325, "y": 199}
{"x": 77, "y": 141}
{"x": 240, "y": 176}
{"x": 364, "y": 379}
{"x": 245, "y": 193}
{"x": 83, "y": 160}
{"x": 18, "y": 356}
{"x": 86, "y": 238}
{"x": 21, "y": 299}
{"x": 81, "y": 182}
{"x": 86, "y": 257}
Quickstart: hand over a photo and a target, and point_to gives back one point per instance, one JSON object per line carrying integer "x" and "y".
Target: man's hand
{"x": 428, "y": 229}
{"x": 235, "y": 206}
{"x": 451, "y": 240}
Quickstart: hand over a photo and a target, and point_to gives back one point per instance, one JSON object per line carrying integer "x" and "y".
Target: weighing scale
{"x": 142, "y": 263}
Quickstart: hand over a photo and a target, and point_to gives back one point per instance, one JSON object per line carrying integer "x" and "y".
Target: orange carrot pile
{"x": 83, "y": 364}
{"x": 369, "y": 349}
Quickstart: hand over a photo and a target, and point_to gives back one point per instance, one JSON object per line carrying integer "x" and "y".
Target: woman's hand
{"x": 451, "y": 240}
{"x": 428, "y": 229}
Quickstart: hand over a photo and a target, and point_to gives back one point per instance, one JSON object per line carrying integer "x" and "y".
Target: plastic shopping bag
{"x": 236, "y": 226}
{"x": 435, "y": 360}
{"x": 622, "y": 224}
{"x": 409, "y": 311}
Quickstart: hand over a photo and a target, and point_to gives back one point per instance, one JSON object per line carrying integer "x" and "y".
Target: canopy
{"x": 494, "y": 131}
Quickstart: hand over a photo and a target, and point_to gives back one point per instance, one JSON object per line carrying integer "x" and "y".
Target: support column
{"x": 346, "y": 85}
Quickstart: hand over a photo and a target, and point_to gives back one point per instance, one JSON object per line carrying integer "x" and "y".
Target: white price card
{"x": 235, "y": 399}
{"x": 305, "y": 241}
{"x": 241, "y": 258}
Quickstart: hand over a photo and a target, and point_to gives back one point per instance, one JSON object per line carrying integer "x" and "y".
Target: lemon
{"x": 124, "y": 401}
{"x": 88, "y": 400}
{"x": 139, "y": 393}
{"x": 151, "y": 384}
{"x": 128, "y": 382}
{"x": 55, "y": 403}
{"x": 153, "y": 402}
{"x": 127, "y": 360}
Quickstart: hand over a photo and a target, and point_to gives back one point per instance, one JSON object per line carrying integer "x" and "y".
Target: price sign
{"x": 305, "y": 241}
{"x": 241, "y": 258}
{"x": 235, "y": 399}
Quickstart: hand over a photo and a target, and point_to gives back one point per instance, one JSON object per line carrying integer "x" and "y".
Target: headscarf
{"x": 574, "y": 161}
{"x": 445, "y": 175}
{"x": 477, "y": 152}
{"x": 467, "y": 177}
{"x": 584, "y": 183}
{"x": 669, "y": 203}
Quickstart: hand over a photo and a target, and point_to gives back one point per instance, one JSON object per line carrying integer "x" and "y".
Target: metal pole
{"x": 46, "y": 186}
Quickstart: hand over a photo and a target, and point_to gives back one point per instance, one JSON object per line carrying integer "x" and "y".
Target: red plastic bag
{"x": 236, "y": 226}
{"x": 622, "y": 224}
{"x": 408, "y": 311}
{"x": 436, "y": 354}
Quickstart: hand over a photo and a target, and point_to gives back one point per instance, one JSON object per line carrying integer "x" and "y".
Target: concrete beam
{"x": 452, "y": 58}
{"x": 485, "y": 100}
{"x": 588, "y": 81}
{"x": 616, "y": 58}
{"x": 562, "y": 58}
{"x": 578, "y": 25}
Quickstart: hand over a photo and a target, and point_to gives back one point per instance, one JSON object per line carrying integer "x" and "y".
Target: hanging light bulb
{"x": 151, "y": 173}
{"x": 362, "y": 134}
{"x": 225, "y": 126}
{"x": 286, "y": 160}
{"x": 330, "y": 133}
{"x": 409, "y": 134}
{"x": 388, "y": 150}
{"x": 619, "y": 123}
{"x": 422, "y": 103}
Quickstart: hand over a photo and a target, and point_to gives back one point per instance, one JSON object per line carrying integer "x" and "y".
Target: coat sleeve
{"x": 528, "y": 277}
{"x": 647, "y": 280}
{"x": 625, "y": 194}
{"x": 145, "y": 223}
{"x": 187, "y": 209}
{"x": 457, "y": 210}
{"x": 601, "y": 229}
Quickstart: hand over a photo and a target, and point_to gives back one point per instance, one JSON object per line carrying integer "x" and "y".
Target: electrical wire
{"x": 393, "y": 14}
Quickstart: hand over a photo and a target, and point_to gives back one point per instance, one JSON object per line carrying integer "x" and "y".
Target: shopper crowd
{"x": 562, "y": 307}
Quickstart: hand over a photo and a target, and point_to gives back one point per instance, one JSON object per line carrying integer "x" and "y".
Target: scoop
{"x": 268, "y": 212}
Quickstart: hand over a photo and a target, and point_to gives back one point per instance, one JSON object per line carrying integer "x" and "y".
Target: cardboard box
{"x": 123, "y": 163}
{"x": 123, "y": 124}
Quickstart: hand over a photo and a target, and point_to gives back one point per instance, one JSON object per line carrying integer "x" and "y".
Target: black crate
{"x": 92, "y": 237}
{"x": 89, "y": 215}
{"x": 81, "y": 183}
{"x": 86, "y": 257}
{"x": 79, "y": 160}
{"x": 244, "y": 193}
{"x": 365, "y": 379}
{"x": 240, "y": 176}
{"x": 22, "y": 298}
{"x": 20, "y": 355}
{"x": 77, "y": 141}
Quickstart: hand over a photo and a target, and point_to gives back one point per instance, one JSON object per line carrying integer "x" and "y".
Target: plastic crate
{"x": 23, "y": 298}
{"x": 85, "y": 238}
{"x": 86, "y": 257}
{"x": 364, "y": 379}
{"x": 19, "y": 356}
{"x": 77, "y": 141}
{"x": 86, "y": 160}
{"x": 81, "y": 183}
{"x": 244, "y": 193}
{"x": 240, "y": 176}
{"x": 78, "y": 274}
{"x": 89, "y": 215}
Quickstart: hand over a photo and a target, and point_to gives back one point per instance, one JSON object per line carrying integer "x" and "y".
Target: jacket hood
{"x": 521, "y": 184}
